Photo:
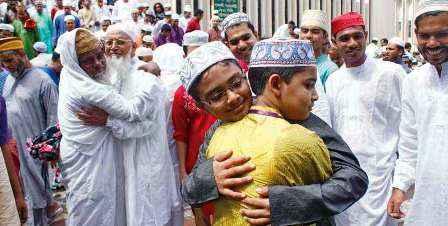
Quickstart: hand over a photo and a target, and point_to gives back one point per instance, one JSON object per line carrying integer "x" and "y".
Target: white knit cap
{"x": 187, "y": 8}
{"x": 127, "y": 27}
{"x": 148, "y": 38}
{"x": 397, "y": 41}
{"x": 426, "y": 6}
{"x": 67, "y": 3}
{"x": 40, "y": 47}
{"x": 316, "y": 18}
{"x": 143, "y": 51}
{"x": 69, "y": 17}
{"x": 175, "y": 16}
{"x": 195, "y": 38}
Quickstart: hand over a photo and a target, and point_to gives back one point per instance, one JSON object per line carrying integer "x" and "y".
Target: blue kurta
{"x": 59, "y": 26}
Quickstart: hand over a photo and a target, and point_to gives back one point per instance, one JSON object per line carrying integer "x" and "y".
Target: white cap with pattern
{"x": 316, "y": 18}
{"x": 201, "y": 59}
{"x": 195, "y": 38}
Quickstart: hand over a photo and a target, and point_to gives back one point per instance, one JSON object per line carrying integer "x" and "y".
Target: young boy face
{"x": 296, "y": 98}
{"x": 224, "y": 92}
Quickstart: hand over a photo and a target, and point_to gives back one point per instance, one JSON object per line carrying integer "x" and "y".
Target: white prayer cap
{"x": 128, "y": 28}
{"x": 67, "y": 3}
{"x": 282, "y": 32}
{"x": 168, "y": 13}
{"x": 375, "y": 39}
{"x": 38, "y": 2}
{"x": 316, "y": 18}
{"x": 202, "y": 58}
{"x": 167, "y": 5}
{"x": 426, "y": 6}
{"x": 169, "y": 57}
{"x": 7, "y": 27}
{"x": 148, "y": 38}
{"x": 69, "y": 17}
{"x": 195, "y": 38}
{"x": 234, "y": 18}
{"x": 397, "y": 41}
{"x": 40, "y": 47}
{"x": 175, "y": 16}
{"x": 146, "y": 27}
{"x": 187, "y": 8}
{"x": 135, "y": 10}
{"x": 104, "y": 18}
{"x": 143, "y": 51}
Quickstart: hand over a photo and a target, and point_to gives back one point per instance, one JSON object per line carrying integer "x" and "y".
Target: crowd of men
{"x": 313, "y": 126}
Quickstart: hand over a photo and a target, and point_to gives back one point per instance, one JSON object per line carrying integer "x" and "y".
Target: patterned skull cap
{"x": 195, "y": 38}
{"x": 282, "y": 53}
{"x": 201, "y": 59}
{"x": 232, "y": 19}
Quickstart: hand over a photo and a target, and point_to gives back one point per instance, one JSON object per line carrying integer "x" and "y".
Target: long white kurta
{"x": 423, "y": 145}
{"x": 365, "y": 104}
{"x": 92, "y": 159}
{"x": 152, "y": 196}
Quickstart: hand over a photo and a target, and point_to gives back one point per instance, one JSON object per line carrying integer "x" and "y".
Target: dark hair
{"x": 249, "y": 24}
{"x": 407, "y": 45}
{"x": 185, "y": 49}
{"x": 198, "y": 12}
{"x": 292, "y": 23}
{"x": 166, "y": 27}
{"x": 161, "y": 6}
{"x": 432, "y": 13}
{"x": 55, "y": 56}
{"x": 193, "y": 92}
{"x": 384, "y": 40}
{"x": 375, "y": 41}
{"x": 259, "y": 76}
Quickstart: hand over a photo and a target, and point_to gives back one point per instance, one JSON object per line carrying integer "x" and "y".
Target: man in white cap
{"x": 373, "y": 50}
{"x": 43, "y": 58}
{"x": 422, "y": 152}
{"x": 177, "y": 33}
{"x": 105, "y": 23}
{"x": 316, "y": 28}
{"x": 60, "y": 23}
{"x": 70, "y": 21}
{"x": 395, "y": 52}
{"x": 44, "y": 25}
{"x": 214, "y": 32}
{"x": 148, "y": 42}
{"x": 6, "y": 30}
{"x": 193, "y": 40}
{"x": 186, "y": 17}
{"x": 149, "y": 175}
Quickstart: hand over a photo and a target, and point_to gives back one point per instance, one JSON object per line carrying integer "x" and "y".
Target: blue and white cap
{"x": 201, "y": 59}
{"x": 282, "y": 53}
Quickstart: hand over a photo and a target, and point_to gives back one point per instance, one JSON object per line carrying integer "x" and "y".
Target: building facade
{"x": 267, "y": 15}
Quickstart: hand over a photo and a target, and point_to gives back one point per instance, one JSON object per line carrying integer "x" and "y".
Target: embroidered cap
{"x": 282, "y": 53}
{"x": 346, "y": 20}
{"x": 202, "y": 58}
{"x": 316, "y": 18}
{"x": 233, "y": 19}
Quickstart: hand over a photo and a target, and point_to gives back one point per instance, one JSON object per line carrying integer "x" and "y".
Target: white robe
{"x": 365, "y": 105}
{"x": 423, "y": 156}
{"x": 152, "y": 195}
{"x": 92, "y": 159}
{"x": 321, "y": 107}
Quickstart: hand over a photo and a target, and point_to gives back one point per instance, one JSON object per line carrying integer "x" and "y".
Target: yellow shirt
{"x": 283, "y": 153}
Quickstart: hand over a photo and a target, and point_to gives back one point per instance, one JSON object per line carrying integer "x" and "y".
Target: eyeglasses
{"x": 220, "y": 96}
{"x": 118, "y": 42}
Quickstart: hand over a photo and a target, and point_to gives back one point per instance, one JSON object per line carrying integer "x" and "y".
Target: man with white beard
{"x": 148, "y": 169}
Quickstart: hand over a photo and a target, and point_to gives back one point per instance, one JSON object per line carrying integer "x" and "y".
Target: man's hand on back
{"x": 93, "y": 116}
{"x": 229, "y": 171}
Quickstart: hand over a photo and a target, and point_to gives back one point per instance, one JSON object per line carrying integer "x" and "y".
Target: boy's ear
{"x": 274, "y": 84}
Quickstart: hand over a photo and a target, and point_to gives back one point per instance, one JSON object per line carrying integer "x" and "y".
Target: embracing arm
{"x": 318, "y": 201}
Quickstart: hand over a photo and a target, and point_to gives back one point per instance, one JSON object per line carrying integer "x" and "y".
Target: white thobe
{"x": 41, "y": 60}
{"x": 152, "y": 195}
{"x": 423, "y": 156}
{"x": 365, "y": 106}
{"x": 321, "y": 107}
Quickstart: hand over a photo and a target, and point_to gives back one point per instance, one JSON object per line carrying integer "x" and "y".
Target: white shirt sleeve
{"x": 404, "y": 175}
{"x": 322, "y": 106}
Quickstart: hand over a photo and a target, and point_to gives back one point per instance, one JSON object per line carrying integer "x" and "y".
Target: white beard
{"x": 117, "y": 68}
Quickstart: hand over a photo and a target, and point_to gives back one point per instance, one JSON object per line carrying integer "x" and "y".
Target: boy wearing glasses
{"x": 282, "y": 75}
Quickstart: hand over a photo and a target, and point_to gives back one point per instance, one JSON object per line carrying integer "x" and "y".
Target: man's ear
{"x": 274, "y": 84}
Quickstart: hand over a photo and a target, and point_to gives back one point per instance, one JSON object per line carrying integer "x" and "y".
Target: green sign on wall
{"x": 226, "y": 7}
